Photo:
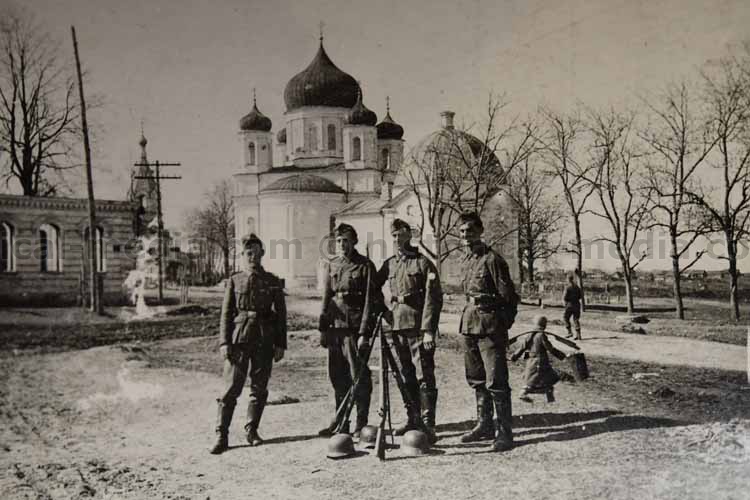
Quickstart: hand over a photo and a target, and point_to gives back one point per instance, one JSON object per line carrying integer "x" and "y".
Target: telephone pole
{"x": 159, "y": 222}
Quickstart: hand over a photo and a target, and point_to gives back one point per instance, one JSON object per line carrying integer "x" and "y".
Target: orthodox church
{"x": 339, "y": 164}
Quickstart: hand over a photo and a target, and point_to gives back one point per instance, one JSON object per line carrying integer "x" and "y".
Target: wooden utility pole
{"x": 96, "y": 302}
{"x": 159, "y": 222}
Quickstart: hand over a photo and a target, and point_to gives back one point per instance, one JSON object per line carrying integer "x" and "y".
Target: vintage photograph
{"x": 467, "y": 249}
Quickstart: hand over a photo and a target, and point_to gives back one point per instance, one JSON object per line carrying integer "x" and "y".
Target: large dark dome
{"x": 360, "y": 115}
{"x": 303, "y": 183}
{"x": 255, "y": 120}
{"x": 389, "y": 129}
{"x": 321, "y": 84}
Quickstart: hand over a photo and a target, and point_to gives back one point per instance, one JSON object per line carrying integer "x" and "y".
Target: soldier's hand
{"x": 323, "y": 340}
{"x": 278, "y": 354}
{"x": 226, "y": 352}
{"x": 428, "y": 341}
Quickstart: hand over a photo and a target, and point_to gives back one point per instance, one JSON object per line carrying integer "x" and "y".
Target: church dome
{"x": 303, "y": 183}
{"x": 281, "y": 136}
{"x": 255, "y": 121}
{"x": 360, "y": 115}
{"x": 448, "y": 142}
{"x": 321, "y": 84}
{"x": 389, "y": 129}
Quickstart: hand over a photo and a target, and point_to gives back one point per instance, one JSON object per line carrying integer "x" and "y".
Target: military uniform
{"x": 416, "y": 300}
{"x": 572, "y": 300}
{"x": 253, "y": 323}
{"x": 490, "y": 294}
{"x": 343, "y": 321}
{"x": 539, "y": 376}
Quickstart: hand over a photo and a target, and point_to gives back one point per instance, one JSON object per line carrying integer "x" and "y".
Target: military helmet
{"x": 368, "y": 435}
{"x": 415, "y": 443}
{"x": 340, "y": 446}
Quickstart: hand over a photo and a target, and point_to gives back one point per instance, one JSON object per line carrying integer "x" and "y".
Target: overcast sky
{"x": 187, "y": 67}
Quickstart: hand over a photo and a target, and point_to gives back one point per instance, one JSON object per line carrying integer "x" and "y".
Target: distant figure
{"x": 572, "y": 302}
{"x": 539, "y": 375}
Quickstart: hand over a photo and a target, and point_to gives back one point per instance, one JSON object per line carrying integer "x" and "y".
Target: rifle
{"x": 563, "y": 340}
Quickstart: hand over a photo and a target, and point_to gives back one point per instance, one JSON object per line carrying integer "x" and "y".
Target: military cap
{"x": 399, "y": 224}
{"x": 251, "y": 239}
{"x": 346, "y": 228}
{"x": 471, "y": 217}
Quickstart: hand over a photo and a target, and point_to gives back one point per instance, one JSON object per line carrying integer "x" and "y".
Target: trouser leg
{"x": 261, "y": 364}
{"x": 234, "y": 377}
{"x": 339, "y": 375}
{"x": 358, "y": 370}
{"x": 401, "y": 344}
{"x": 476, "y": 377}
{"x": 493, "y": 355}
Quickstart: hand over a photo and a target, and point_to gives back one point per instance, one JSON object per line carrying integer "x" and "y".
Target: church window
{"x": 332, "y": 137}
{"x": 356, "y": 148}
{"x": 251, "y": 153}
{"x": 101, "y": 263}
{"x": 49, "y": 248}
{"x": 385, "y": 159}
{"x": 313, "y": 135}
{"x": 7, "y": 264}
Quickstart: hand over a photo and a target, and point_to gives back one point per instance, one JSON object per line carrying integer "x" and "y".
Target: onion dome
{"x": 389, "y": 129}
{"x": 360, "y": 115}
{"x": 255, "y": 120}
{"x": 321, "y": 84}
{"x": 303, "y": 183}
{"x": 281, "y": 136}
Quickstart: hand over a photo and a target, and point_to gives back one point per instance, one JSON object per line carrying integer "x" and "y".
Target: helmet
{"x": 415, "y": 443}
{"x": 368, "y": 435}
{"x": 340, "y": 446}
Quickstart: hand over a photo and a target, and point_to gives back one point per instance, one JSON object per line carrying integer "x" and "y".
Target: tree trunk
{"x": 676, "y": 275}
{"x": 225, "y": 250}
{"x": 733, "y": 275}
{"x": 629, "y": 292}
{"x": 579, "y": 261}
{"x": 521, "y": 274}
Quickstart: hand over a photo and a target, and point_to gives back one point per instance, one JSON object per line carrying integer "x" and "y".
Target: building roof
{"x": 360, "y": 115}
{"x": 321, "y": 84}
{"x": 255, "y": 120}
{"x": 303, "y": 183}
{"x": 371, "y": 206}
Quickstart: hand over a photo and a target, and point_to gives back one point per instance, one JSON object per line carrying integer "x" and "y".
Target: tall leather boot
{"x": 429, "y": 402}
{"x": 223, "y": 419}
{"x": 330, "y": 429}
{"x": 413, "y": 417}
{"x": 504, "y": 439}
{"x": 254, "y": 413}
{"x": 484, "y": 428}
{"x": 363, "y": 414}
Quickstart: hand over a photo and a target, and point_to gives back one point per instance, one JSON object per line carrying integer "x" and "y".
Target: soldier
{"x": 572, "y": 302}
{"x": 252, "y": 335}
{"x": 344, "y": 325}
{"x": 491, "y": 302}
{"x": 417, "y": 301}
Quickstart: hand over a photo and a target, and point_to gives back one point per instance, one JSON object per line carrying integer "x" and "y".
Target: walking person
{"x": 490, "y": 309}
{"x": 416, "y": 300}
{"x": 539, "y": 376}
{"x": 344, "y": 327}
{"x": 252, "y": 337}
{"x": 572, "y": 302}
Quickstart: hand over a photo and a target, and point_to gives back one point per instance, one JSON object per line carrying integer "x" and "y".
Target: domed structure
{"x": 255, "y": 120}
{"x": 444, "y": 144}
{"x": 360, "y": 115}
{"x": 303, "y": 183}
{"x": 389, "y": 129}
{"x": 321, "y": 84}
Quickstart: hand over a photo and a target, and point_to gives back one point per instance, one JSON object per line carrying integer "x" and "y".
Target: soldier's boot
{"x": 223, "y": 419}
{"x": 429, "y": 404}
{"x": 254, "y": 413}
{"x": 550, "y": 395}
{"x": 578, "y": 333}
{"x": 363, "y": 413}
{"x": 504, "y": 438}
{"x": 484, "y": 428}
{"x": 330, "y": 429}
{"x": 569, "y": 330}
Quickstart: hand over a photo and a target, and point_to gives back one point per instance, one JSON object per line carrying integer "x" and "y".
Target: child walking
{"x": 539, "y": 376}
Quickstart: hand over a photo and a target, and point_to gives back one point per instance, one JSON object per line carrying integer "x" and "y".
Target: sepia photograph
{"x": 466, "y": 249}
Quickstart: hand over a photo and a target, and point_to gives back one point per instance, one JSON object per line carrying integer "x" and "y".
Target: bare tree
{"x": 459, "y": 171}
{"x": 38, "y": 115}
{"x": 539, "y": 215}
{"x": 623, "y": 200}
{"x": 213, "y": 226}
{"x": 560, "y": 139}
{"x": 727, "y": 103}
{"x": 680, "y": 142}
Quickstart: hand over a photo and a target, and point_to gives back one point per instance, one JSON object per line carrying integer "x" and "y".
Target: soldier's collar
{"x": 408, "y": 252}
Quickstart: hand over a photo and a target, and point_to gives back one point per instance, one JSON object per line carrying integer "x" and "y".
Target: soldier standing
{"x": 417, "y": 300}
{"x": 491, "y": 302}
{"x": 345, "y": 326}
{"x": 572, "y": 302}
{"x": 252, "y": 335}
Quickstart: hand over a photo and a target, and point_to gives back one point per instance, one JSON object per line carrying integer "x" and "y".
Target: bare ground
{"x": 134, "y": 420}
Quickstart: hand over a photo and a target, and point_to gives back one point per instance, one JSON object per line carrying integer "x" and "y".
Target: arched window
{"x": 49, "y": 248}
{"x": 356, "y": 148}
{"x": 332, "y": 137}
{"x": 251, "y": 153}
{"x": 7, "y": 263}
{"x": 313, "y": 138}
{"x": 101, "y": 261}
{"x": 385, "y": 159}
